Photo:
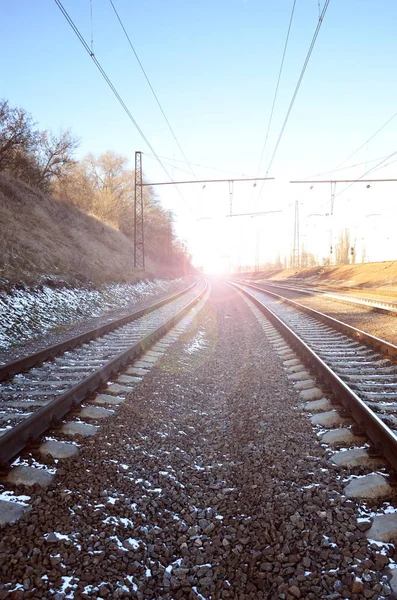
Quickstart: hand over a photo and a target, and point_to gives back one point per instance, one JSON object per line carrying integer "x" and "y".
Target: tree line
{"x": 102, "y": 186}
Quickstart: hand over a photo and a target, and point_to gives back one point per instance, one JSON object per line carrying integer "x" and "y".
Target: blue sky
{"x": 214, "y": 67}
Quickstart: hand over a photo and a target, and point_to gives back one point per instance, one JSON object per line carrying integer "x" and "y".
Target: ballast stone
{"x": 108, "y": 399}
{"x": 58, "y": 449}
{"x": 299, "y": 368}
{"x": 96, "y": 412}
{"x": 144, "y": 364}
{"x": 306, "y": 384}
{"x": 116, "y": 388}
{"x": 393, "y": 579}
{"x": 291, "y": 362}
{"x": 317, "y": 405}
{"x": 356, "y": 457}
{"x": 383, "y": 529}
{"x": 368, "y": 487}
{"x": 79, "y": 428}
{"x": 11, "y": 511}
{"x": 341, "y": 436}
{"x": 313, "y": 393}
{"x": 28, "y": 476}
{"x": 149, "y": 358}
{"x": 330, "y": 418}
{"x": 301, "y": 376}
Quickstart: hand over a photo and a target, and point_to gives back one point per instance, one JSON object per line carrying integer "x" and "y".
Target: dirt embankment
{"x": 43, "y": 238}
{"x": 378, "y": 277}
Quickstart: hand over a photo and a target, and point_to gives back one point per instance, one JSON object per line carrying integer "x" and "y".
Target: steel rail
{"x": 17, "y": 438}
{"x": 388, "y": 307}
{"x": 357, "y": 334}
{"x": 32, "y": 360}
{"x": 382, "y": 438}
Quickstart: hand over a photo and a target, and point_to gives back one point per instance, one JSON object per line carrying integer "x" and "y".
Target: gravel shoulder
{"x": 208, "y": 483}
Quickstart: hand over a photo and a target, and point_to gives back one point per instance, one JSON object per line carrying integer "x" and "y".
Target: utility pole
{"x": 257, "y": 251}
{"x": 295, "y": 251}
{"x": 139, "y": 243}
{"x": 231, "y": 196}
{"x": 170, "y": 238}
{"x": 333, "y": 183}
{"x": 139, "y": 240}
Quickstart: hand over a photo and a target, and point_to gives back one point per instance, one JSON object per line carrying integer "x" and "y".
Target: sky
{"x": 214, "y": 67}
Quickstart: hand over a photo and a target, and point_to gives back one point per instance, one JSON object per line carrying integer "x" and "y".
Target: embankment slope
{"x": 41, "y": 237}
{"x": 381, "y": 276}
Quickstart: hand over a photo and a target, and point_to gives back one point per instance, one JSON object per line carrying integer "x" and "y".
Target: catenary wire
{"x": 151, "y": 87}
{"x": 204, "y": 166}
{"x": 367, "y": 141}
{"x": 377, "y": 167}
{"x": 277, "y": 86}
{"x": 306, "y": 62}
{"x": 344, "y": 168}
{"x": 169, "y": 164}
{"x": 115, "y": 92}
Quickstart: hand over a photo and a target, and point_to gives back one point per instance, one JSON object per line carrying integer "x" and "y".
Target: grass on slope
{"x": 41, "y": 237}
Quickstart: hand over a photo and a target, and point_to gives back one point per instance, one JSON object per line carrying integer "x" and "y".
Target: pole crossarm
{"x": 254, "y": 214}
{"x": 343, "y": 181}
{"x": 208, "y": 181}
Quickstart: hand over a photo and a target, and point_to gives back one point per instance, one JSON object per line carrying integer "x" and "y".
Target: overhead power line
{"x": 199, "y": 165}
{"x": 320, "y": 21}
{"x": 151, "y": 87}
{"x": 369, "y": 171}
{"x": 115, "y": 92}
{"x": 277, "y": 86}
{"x": 368, "y": 140}
{"x": 359, "y": 179}
{"x": 345, "y": 168}
{"x": 206, "y": 181}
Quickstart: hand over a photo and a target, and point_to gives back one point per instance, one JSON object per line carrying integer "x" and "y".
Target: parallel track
{"x": 382, "y": 306}
{"x": 37, "y": 392}
{"x": 359, "y": 369}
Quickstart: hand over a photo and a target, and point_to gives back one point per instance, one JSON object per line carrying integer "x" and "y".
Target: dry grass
{"x": 381, "y": 275}
{"x": 41, "y": 237}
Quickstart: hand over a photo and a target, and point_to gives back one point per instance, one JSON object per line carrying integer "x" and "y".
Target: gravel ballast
{"x": 208, "y": 482}
{"x": 366, "y": 318}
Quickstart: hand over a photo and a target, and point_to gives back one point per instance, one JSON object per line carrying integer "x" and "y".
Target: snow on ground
{"x": 28, "y": 313}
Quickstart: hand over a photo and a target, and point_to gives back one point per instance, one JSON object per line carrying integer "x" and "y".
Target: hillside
{"x": 381, "y": 276}
{"x": 41, "y": 237}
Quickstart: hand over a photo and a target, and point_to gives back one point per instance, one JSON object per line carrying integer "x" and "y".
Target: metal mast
{"x": 295, "y": 253}
{"x": 139, "y": 240}
{"x": 170, "y": 236}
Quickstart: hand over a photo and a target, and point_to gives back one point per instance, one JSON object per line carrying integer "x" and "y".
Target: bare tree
{"x": 55, "y": 154}
{"x": 37, "y": 157}
{"x": 342, "y": 248}
{"x": 18, "y": 136}
{"x": 104, "y": 186}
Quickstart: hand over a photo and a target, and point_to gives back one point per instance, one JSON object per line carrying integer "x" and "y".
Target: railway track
{"x": 210, "y": 465}
{"x": 37, "y": 391}
{"x": 358, "y": 370}
{"x": 382, "y": 306}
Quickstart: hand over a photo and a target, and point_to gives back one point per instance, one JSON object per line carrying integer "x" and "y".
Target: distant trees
{"x": 342, "y": 248}
{"x": 103, "y": 186}
{"x": 37, "y": 157}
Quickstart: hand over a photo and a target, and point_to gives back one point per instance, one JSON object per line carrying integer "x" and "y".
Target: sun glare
{"x": 215, "y": 266}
